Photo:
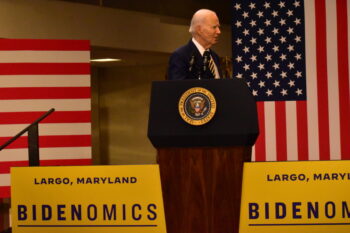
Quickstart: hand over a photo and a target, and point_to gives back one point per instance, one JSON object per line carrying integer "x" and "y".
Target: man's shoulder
{"x": 186, "y": 49}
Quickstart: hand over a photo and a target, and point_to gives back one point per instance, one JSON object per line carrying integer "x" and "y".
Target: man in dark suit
{"x": 196, "y": 60}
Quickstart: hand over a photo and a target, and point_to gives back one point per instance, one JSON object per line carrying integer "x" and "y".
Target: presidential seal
{"x": 197, "y": 106}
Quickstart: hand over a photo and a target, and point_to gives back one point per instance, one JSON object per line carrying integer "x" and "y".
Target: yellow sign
{"x": 123, "y": 199}
{"x": 294, "y": 197}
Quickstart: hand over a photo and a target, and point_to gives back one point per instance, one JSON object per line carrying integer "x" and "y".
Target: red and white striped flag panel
{"x": 35, "y": 76}
{"x": 284, "y": 50}
{"x": 318, "y": 128}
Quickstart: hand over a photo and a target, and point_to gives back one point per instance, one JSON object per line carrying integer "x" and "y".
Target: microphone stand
{"x": 33, "y": 139}
{"x": 190, "y": 69}
{"x": 205, "y": 65}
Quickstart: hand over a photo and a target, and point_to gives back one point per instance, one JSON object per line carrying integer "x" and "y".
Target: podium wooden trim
{"x": 202, "y": 188}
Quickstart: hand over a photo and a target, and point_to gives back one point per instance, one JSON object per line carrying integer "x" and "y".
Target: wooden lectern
{"x": 201, "y": 166}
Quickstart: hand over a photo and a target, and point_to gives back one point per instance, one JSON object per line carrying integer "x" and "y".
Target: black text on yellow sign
{"x": 293, "y": 197}
{"x": 123, "y": 199}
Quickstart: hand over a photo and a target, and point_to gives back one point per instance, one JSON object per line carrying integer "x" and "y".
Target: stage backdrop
{"x": 35, "y": 76}
{"x": 294, "y": 55}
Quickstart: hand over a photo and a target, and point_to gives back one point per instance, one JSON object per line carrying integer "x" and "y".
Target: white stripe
{"x": 253, "y": 153}
{"x": 45, "y": 105}
{"x": 292, "y": 131}
{"x": 49, "y": 129}
{"x": 47, "y": 153}
{"x": 270, "y": 131}
{"x": 311, "y": 80}
{"x": 44, "y": 81}
{"x": 333, "y": 89}
{"x": 21, "y": 56}
{"x": 5, "y": 180}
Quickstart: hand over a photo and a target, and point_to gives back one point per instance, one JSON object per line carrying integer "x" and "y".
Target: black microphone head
{"x": 191, "y": 63}
{"x": 192, "y": 60}
{"x": 205, "y": 61}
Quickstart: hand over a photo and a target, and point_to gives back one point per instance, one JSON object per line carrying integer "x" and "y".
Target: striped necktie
{"x": 211, "y": 64}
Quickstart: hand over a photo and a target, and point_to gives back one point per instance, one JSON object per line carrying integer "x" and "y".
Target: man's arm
{"x": 178, "y": 67}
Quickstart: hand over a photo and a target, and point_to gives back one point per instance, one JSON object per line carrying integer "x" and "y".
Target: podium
{"x": 201, "y": 166}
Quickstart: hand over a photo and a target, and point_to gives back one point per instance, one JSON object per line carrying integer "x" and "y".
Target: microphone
{"x": 206, "y": 59}
{"x": 191, "y": 63}
{"x": 205, "y": 62}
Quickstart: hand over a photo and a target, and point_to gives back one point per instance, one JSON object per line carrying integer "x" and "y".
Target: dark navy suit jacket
{"x": 186, "y": 62}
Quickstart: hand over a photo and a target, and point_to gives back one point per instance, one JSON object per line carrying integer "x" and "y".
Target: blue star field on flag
{"x": 269, "y": 49}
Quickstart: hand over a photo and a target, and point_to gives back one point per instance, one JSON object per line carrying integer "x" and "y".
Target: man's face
{"x": 209, "y": 30}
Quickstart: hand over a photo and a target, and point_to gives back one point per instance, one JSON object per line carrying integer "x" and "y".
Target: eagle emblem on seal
{"x": 197, "y": 106}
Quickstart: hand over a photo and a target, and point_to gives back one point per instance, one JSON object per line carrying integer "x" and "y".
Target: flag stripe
{"x": 270, "y": 133}
{"x": 6, "y": 166}
{"x": 44, "y": 93}
{"x": 253, "y": 158}
{"x": 50, "y": 141}
{"x": 343, "y": 60}
{"x": 5, "y": 180}
{"x": 45, "y": 81}
{"x": 4, "y": 191}
{"x": 35, "y": 76}
{"x": 260, "y": 145}
{"x": 45, "y": 105}
{"x": 281, "y": 131}
{"x": 332, "y": 68}
{"x": 47, "y": 153}
{"x": 44, "y": 68}
{"x": 49, "y": 129}
{"x": 39, "y": 44}
{"x": 44, "y": 56}
{"x": 322, "y": 87}
{"x": 292, "y": 133}
{"x": 303, "y": 150}
{"x": 55, "y": 117}
{"x": 311, "y": 81}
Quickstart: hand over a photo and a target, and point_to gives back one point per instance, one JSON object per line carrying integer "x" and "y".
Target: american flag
{"x": 293, "y": 54}
{"x": 35, "y": 76}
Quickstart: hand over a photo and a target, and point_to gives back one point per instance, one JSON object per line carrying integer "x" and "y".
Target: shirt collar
{"x": 199, "y": 46}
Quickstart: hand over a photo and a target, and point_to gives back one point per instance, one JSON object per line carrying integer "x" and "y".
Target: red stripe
{"x": 51, "y": 141}
{"x": 260, "y": 146}
{"x": 51, "y": 45}
{"x": 5, "y": 192}
{"x": 322, "y": 87}
{"x": 302, "y": 131}
{"x": 343, "y": 59}
{"x": 44, "y": 93}
{"x": 5, "y": 166}
{"x": 55, "y": 117}
{"x": 44, "y": 68}
{"x": 281, "y": 130}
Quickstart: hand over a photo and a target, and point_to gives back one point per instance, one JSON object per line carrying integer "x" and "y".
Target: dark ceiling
{"x": 174, "y": 8}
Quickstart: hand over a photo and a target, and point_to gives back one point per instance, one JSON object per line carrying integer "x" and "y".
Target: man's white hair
{"x": 198, "y": 18}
